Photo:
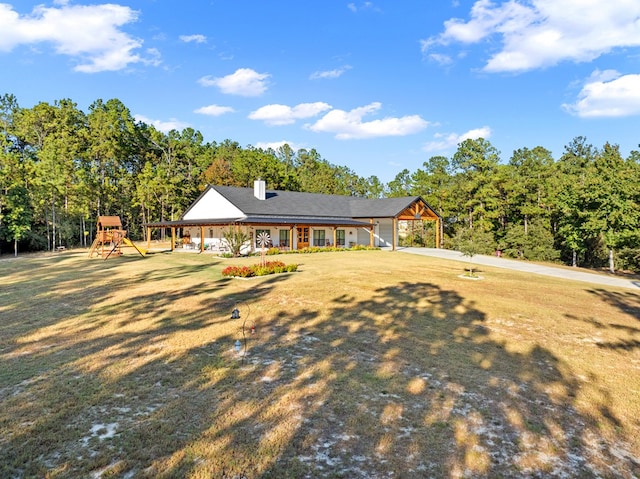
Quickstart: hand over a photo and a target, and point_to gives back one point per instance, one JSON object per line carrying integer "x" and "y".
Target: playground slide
{"x": 128, "y": 242}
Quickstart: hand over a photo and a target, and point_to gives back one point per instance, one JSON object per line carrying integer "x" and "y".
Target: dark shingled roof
{"x": 293, "y": 203}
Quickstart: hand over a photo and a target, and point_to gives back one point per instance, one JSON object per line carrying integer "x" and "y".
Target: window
{"x": 340, "y": 237}
{"x": 284, "y": 238}
{"x": 319, "y": 238}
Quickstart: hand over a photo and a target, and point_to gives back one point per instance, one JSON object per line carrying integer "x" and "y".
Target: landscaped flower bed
{"x": 321, "y": 249}
{"x": 269, "y": 267}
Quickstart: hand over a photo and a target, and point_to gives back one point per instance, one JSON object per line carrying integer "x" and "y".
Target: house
{"x": 295, "y": 220}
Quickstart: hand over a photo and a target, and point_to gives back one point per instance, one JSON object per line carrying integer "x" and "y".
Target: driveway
{"x": 527, "y": 267}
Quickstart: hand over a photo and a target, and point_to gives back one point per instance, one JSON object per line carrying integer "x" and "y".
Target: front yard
{"x": 363, "y": 364}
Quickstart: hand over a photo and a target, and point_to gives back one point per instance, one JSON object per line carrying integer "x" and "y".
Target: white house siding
{"x": 212, "y": 235}
{"x": 212, "y": 205}
{"x": 362, "y": 236}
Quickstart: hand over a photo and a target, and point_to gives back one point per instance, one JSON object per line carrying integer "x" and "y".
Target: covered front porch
{"x": 284, "y": 234}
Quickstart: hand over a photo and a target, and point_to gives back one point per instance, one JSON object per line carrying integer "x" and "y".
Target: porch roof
{"x": 261, "y": 220}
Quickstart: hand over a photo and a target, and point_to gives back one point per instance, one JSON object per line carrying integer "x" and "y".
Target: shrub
{"x": 239, "y": 271}
{"x": 629, "y": 259}
{"x": 235, "y": 239}
{"x": 270, "y": 267}
{"x": 330, "y": 249}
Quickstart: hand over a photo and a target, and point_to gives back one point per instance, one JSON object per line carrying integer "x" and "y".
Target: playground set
{"x": 110, "y": 237}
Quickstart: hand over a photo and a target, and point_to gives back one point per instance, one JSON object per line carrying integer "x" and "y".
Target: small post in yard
{"x": 235, "y": 314}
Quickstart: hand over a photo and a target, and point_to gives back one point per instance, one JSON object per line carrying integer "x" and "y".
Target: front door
{"x": 303, "y": 237}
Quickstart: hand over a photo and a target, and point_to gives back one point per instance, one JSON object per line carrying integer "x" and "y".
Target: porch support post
{"x": 438, "y": 232}
{"x": 371, "y": 233}
{"x": 173, "y": 238}
{"x": 394, "y": 241}
{"x": 291, "y": 238}
{"x": 202, "y": 239}
{"x": 148, "y": 237}
{"x": 335, "y": 236}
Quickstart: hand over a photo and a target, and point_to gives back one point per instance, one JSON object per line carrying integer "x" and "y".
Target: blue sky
{"x": 376, "y": 86}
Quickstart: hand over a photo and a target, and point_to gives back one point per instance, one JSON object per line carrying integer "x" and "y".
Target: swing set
{"x": 110, "y": 237}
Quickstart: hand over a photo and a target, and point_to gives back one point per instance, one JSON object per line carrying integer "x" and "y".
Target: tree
{"x": 374, "y": 187}
{"x": 111, "y": 158}
{"x": 401, "y": 185}
{"x": 609, "y": 194}
{"x": 16, "y": 221}
{"x": 55, "y": 139}
{"x": 532, "y": 174}
{"x": 534, "y": 244}
{"x": 218, "y": 170}
{"x": 475, "y": 164}
{"x": 572, "y": 209}
{"x": 253, "y": 163}
{"x": 471, "y": 242}
{"x": 10, "y": 171}
{"x": 315, "y": 174}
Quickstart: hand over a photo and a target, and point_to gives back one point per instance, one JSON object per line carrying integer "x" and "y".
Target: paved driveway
{"x": 526, "y": 267}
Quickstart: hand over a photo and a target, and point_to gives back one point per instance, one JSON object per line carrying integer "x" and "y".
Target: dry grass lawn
{"x": 364, "y": 364}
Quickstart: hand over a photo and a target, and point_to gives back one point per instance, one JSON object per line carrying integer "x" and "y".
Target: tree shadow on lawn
{"x": 67, "y": 377}
{"x": 626, "y": 302}
{"x": 408, "y": 382}
{"x": 44, "y": 291}
{"x": 437, "y": 396}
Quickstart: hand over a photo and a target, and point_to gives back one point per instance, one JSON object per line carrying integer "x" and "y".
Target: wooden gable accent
{"x": 418, "y": 210}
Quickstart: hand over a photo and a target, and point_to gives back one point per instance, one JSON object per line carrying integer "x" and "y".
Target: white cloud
{"x": 329, "y": 73}
{"x": 274, "y": 145}
{"x": 607, "y": 94}
{"x": 348, "y": 125}
{"x": 542, "y": 33}
{"x": 89, "y": 33}
{"x": 193, "y": 38}
{"x": 441, "y": 58}
{"x": 285, "y": 115}
{"x": 447, "y": 141}
{"x": 243, "y": 82}
{"x": 163, "y": 126}
{"x": 363, "y": 6}
{"x": 214, "y": 110}
{"x": 154, "y": 58}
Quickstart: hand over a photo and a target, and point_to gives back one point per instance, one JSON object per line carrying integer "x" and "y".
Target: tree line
{"x": 583, "y": 208}
{"x": 61, "y": 168}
